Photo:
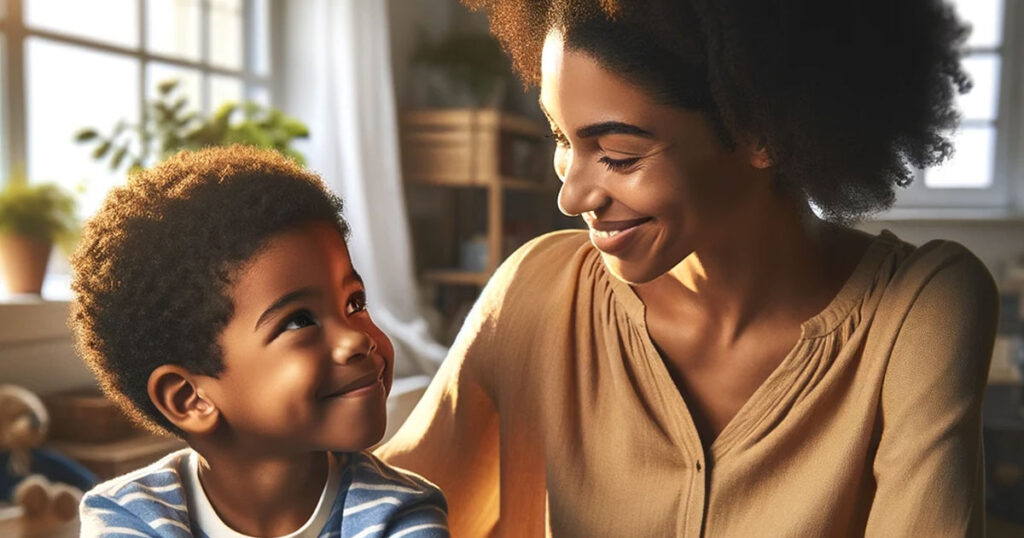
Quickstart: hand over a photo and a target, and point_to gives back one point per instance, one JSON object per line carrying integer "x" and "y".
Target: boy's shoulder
{"x": 389, "y": 499}
{"x": 375, "y": 499}
{"x": 152, "y": 498}
{"x": 163, "y": 473}
{"x": 367, "y": 469}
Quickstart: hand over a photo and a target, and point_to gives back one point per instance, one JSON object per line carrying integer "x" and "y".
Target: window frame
{"x": 14, "y": 32}
{"x": 1004, "y": 197}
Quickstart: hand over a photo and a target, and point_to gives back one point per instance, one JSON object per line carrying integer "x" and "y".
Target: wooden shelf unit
{"x": 486, "y": 149}
{"x": 114, "y": 458}
{"x": 456, "y": 277}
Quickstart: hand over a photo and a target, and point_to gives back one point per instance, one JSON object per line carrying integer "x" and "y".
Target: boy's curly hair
{"x": 847, "y": 97}
{"x": 153, "y": 270}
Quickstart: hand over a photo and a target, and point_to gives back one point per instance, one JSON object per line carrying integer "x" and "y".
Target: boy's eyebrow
{"x": 282, "y": 302}
{"x": 354, "y": 275}
{"x": 296, "y": 295}
{"x": 604, "y": 128}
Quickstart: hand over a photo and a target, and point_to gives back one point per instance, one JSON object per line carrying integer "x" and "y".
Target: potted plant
{"x": 169, "y": 126}
{"x": 32, "y": 218}
{"x": 459, "y": 70}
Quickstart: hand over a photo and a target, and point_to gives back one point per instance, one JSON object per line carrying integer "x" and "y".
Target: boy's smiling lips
{"x": 367, "y": 380}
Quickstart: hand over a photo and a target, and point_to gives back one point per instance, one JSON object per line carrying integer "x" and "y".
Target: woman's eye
{"x": 299, "y": 320}
{"x": 356, "y": 303}
{"x": 618, "y": 165}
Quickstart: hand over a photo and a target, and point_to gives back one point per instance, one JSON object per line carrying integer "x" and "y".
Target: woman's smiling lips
{"x": 364, "y": 384}
{"x": 613, "y": 236}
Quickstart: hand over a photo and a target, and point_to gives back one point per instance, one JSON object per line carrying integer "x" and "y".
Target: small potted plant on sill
{"x": 33, "y": 217}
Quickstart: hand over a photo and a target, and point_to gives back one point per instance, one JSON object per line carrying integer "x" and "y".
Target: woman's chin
{"x": 631, "y": 272}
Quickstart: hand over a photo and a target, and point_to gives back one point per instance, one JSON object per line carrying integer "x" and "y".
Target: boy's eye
{"x": 299, "y": 320}
{"x": 356, "y": 303}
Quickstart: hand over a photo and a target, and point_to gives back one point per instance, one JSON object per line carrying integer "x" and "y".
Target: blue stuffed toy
{"x": 40, "y": 481}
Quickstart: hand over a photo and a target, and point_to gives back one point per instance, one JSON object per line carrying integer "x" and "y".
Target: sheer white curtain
{"x": 335, "y": 74}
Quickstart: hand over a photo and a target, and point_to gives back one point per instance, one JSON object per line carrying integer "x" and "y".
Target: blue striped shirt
{"x": 374, "y": 500}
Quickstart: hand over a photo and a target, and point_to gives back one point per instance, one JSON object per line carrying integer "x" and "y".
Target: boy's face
{"x": 305, "y": 366}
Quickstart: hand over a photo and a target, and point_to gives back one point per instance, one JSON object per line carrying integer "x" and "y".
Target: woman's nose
{"x": 350, "y": 345}
{"x": 581, "y": 191}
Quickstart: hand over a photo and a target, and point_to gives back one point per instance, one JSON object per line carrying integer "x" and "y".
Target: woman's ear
{"x": 760, "y": 157}
{"x": 174, "y": 392}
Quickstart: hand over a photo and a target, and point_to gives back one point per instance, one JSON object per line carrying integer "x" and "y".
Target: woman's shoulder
{"x": 545, "y": 259}
{"x": 937, "y": 266}
{"x": 557, "y": 245}
{"x": 940, "y": 288}
{"x": 544, "y": 272}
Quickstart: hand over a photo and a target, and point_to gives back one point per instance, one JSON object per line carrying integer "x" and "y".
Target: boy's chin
{"x": 356, "y": 439}
{"x": 364, "y": 442}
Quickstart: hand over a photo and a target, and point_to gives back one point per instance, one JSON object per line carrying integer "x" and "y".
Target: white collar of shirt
{"x": 205, "y": 517}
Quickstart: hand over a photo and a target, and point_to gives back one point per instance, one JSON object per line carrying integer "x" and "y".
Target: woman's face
{"x": 653, "y": 182}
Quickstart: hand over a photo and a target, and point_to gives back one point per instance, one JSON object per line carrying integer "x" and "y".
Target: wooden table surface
{"x": 14, "y": 525}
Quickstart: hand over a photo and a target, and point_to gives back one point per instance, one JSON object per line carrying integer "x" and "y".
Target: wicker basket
{"x": 461, "y": 147}
{"x": 86, "y": 416}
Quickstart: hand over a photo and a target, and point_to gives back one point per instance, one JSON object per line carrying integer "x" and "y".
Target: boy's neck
{"x": 263, "y": 495}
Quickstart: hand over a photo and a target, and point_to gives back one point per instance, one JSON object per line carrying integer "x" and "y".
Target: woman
{"x": 712, "y": 358}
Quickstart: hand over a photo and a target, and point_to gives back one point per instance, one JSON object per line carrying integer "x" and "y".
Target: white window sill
{"x": 56, "y": 289}
{"x": 949, "y": 214}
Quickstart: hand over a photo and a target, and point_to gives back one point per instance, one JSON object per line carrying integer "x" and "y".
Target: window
{"x": 3, "y": 100}
{"x": 982, "y": 177}
{"x": 69, "y": 64}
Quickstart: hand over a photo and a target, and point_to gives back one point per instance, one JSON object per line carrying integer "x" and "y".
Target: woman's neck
{"x": 263, "y": 495}
{"x": 777, "y": 261}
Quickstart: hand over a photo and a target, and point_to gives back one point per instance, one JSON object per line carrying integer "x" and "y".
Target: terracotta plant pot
{"x": 23, "y": 262}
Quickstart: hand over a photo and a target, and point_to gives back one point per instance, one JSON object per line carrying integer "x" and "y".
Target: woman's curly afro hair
{"x": 153, "y": 271}
{"x": 849, "y": 98}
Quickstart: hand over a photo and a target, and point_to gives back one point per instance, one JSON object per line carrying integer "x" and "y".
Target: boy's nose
{"x": 351, "y": 345}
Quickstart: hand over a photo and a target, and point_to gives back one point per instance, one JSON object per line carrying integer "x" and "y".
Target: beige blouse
{"x": 555, "y": 415}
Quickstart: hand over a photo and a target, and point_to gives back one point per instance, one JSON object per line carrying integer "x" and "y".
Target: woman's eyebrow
{"x": 604, "y": 127}
{"x": 612, "y": 127}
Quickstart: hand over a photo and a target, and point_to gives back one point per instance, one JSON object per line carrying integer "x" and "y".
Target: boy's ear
{"x": 174, "y": 392}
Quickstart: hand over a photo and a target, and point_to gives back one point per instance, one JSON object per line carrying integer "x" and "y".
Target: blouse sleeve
{"x": 929, "y": 465}
{"x": 451, "y": 437}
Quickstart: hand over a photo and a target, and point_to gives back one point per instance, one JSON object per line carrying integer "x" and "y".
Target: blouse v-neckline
{"x": 760, "y": 402}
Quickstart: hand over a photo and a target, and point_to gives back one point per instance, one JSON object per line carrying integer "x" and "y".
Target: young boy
{"x": 215, "y": 299}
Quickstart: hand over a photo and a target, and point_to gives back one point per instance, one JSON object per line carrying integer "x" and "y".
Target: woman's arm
{"x": 929, "y": 464}
{"x": 451, "y": 437}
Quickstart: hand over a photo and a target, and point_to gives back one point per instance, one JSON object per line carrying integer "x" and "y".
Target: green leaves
{"x": 85, "y": 135}
{"x": 101, "y": 150}
{"x": 43, "y": 211}
{"x": 294, "y": 128}
{"x": 115, "y": 161}
{"x": 167, "y": 87}
{"x": 472, "y": 61}
{"x": 170, "y": 125}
